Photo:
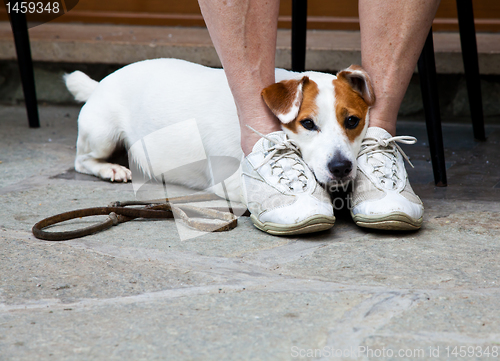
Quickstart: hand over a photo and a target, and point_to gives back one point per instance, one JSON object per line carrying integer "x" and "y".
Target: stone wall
{"x": 51, "y": 89}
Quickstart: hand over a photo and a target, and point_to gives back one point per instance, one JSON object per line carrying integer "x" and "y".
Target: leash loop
{"x": 202, "y": 219}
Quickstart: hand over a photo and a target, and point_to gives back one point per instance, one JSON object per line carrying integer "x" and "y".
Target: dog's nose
{"x": 340, "y": 168}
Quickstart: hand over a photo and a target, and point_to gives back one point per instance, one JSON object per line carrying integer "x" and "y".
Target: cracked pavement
{"x": 138, "y": 292}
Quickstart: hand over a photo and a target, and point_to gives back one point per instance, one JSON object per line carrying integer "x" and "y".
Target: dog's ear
{"x": 360, "y": 82}
{"x": 284, "y": 98}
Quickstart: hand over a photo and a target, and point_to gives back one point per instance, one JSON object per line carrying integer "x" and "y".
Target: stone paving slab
{"x": 138, "y": 292}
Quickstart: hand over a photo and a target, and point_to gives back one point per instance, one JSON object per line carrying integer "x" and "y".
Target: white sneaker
{"x": 382, "y": 197}
{"x": 280, "y": 190}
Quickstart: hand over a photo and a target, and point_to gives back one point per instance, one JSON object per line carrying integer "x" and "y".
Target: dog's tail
{"x": 80, "y": 85}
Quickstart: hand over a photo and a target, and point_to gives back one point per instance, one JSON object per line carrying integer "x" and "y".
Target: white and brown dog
{"x": 326, "y": 115}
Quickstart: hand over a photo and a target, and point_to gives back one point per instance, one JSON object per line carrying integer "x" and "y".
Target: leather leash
{"x": 207, "y": 219}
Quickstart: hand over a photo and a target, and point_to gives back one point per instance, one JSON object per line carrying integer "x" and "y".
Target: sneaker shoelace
{"x": 282, "y": 157}
{"x": 388, "y": 150}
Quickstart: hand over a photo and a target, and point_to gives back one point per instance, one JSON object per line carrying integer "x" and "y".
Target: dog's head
{"x": 327, "y": 116}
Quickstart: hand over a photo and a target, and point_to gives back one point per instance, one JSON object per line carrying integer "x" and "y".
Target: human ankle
{"x": 387, "y": 126}
{"x": 263, "y": 125}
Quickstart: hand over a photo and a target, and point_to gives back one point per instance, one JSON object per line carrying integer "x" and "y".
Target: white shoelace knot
{"x": 387, "y": 149}
{"x": 284, "y": 162}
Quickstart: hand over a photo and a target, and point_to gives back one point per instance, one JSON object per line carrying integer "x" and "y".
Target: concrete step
{"x": 118, "y": 44}
{"x": 98, "y": 50}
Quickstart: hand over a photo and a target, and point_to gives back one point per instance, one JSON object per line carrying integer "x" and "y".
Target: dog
{"x": 185, "y": 103}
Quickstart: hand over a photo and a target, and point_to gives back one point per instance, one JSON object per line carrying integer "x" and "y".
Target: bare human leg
{"x": 244, "y": 35}
{"x": 393, "y": 33}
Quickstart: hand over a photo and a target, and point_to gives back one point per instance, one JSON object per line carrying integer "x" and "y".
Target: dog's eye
{"x": 308, "y": 124}
{"x": 351, "y": 122}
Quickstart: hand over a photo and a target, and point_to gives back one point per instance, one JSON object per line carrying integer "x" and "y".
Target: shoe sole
{"x": 312, "y": 224}
{"x": 396, "y": 221}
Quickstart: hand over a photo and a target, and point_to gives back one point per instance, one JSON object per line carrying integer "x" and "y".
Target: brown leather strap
{"x": 202, "y": 219}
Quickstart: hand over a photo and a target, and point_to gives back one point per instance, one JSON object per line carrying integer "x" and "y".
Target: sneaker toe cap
{"x": 304, "y": 207}
{"x": 392, "y": 202}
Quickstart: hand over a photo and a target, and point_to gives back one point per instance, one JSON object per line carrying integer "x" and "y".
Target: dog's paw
{"x": 115, "y": 173}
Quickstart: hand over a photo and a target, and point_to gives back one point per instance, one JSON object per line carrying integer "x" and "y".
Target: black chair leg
{"x": 428, "y": 86}
{"x": 22, "y": 41}
{"x": 471, "y": 66}
{"x": 299, "y": 33}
